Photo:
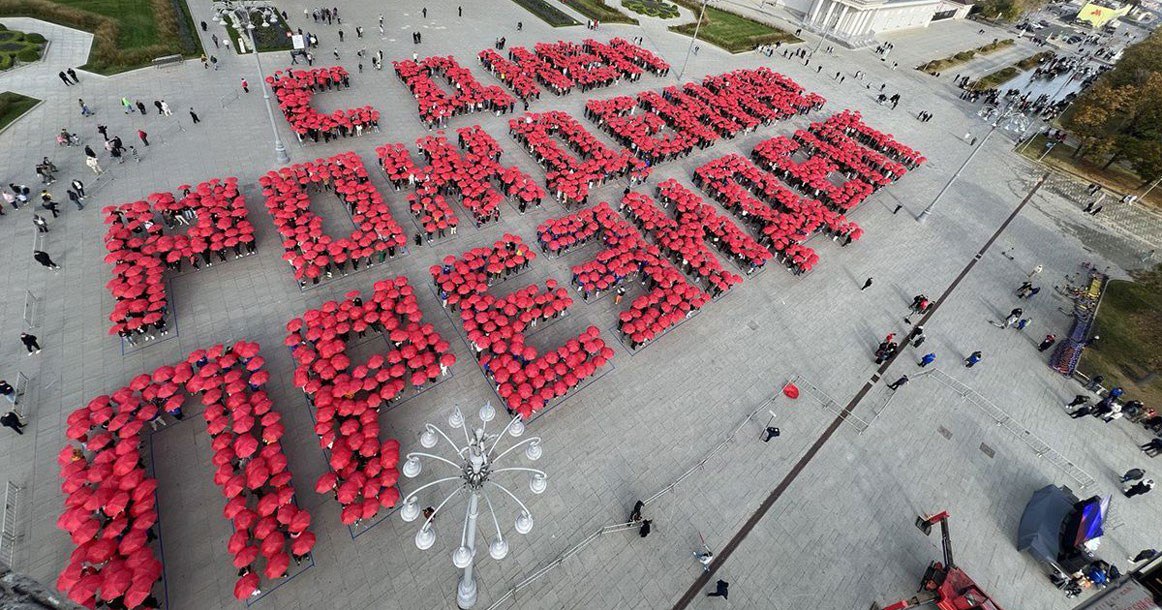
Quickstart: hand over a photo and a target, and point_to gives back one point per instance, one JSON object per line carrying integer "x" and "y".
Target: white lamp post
{"x": 242, "y": 11}
{"x": 475, "y": 461}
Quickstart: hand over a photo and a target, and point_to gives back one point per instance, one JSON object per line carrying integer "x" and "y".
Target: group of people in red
{"x": 294, "y": 90}
{"x": 110, "y": 505}
{"x": 569, "y": 177}
{"x": 312, "y": 253}
{"x": 467, "y": 176}
{"x": 669, "y": 298}
{"x": 435, "y": 104}
{"x": 757, "y": 96}
{"x": 561, "y": 66}
{"x": 140, "y": 249}
{"x": 495, "y": 326}
{"x": 348, "y": 397}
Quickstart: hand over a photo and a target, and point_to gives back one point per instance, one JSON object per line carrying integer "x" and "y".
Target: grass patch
{"x": 270, "y": 38}
{"x": 1115, "y": 178}
{"x": 599, "y": 10}
{"x": 939, "y": 65}
{"x": 995, "y": 79}
{"x": 127, "y": 34}
{"x": 13, "y": 106}
{"x": 730, "y": 31}
{"x": 547, "y": 13}
{"x": 1034, "y": 60}
{"x": 652, "y": 8}
{"x": 1129, "y": 352}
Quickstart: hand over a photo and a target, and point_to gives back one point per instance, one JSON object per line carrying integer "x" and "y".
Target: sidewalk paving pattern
{"x": 840, "y": 536}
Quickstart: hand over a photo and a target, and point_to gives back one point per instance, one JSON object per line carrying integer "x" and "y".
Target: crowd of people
{"x": 111, "y": 508}
{"x": 294, "y": 90}
{"x": 348, "y": 399}
{"x": 525, "y": 380}
{"x": 437, "y": 106}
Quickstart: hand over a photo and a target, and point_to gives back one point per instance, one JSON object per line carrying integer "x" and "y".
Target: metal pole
{"x": 1143, "y": 196}
{"x": 466, "y": 589}
{"x": 279, "y": 150}
{"x": 928, "y": 210}
{"x": 690, "y": 48}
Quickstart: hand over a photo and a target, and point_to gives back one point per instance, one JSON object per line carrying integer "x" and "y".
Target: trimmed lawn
{"x": 127, "y": 34}
{"x": 1129, "y": 352}
{"x": 547, "y": 13}
{"x": 13, "y": 106}
{"x": 599, "y": 10}
{"x": 652, "y": 8}
{"x": 732, "y": 32}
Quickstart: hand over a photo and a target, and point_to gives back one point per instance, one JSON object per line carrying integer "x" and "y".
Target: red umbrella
{"x": 100, "y": 551}
{"x": 277, "y": 565}
{"x": 272, "y": 544}
{"x": 245, "y": 556}
{"x": 246, "y": 586}
{"x": 115, "y": 582}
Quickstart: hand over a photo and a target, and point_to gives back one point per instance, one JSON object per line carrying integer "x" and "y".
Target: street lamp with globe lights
{"x": 242, "y": 11}
{"x": 476, "y": 462}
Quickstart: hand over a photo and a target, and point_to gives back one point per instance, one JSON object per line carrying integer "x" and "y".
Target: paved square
{"x": 839, "y": 536}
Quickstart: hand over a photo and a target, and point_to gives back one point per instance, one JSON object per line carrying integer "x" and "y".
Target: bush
{"x": 5, "y": 61}
{"x": 29, "y": 54}
{"x": 34, "y": 37}
{"x": 964, "y": 55}
{"x": 652, "y": 8}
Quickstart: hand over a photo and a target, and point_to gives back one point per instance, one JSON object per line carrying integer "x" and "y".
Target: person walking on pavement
{"x": 75, "y": 198}
{"x": 635, "y": 515}
{"x": 30, "y": 343}
{"x": 165, "y": 109}
{"x": 51, "y": 206}
{"x": 245, "y": 85}
{"x": 12, "y": 420}
{"x": 645, "y": 528}
{"x": 927, "y": 359}
{"x": 918, "y": 335}
{"x": 157, "y": 104}
{"x": 1078, "y": 399}
{"x": 79, "y": 187}
{"x": 1035, "y": 271}
{"x": 973, "y": 358}
{"x": 41, "y": 224}
{"x": 140, "y": 107}
{"x": 194, "y": 116}
{"x": 73, "y": 75}
{"x": 1139, "y": 488}
{"x": 1023, "y": 288}
{"x": 1133, "y": 474}
{"x": 895, "y": 385}
{"x": 143, "y": 136}
{"x": 867, "y": 284}
{"x": 1014, "y": 315}
{"x": 68, "y": 83}
{"x": 43, "y": 258}
{"x": 1050, "y": 339}
{"x": 94, "y": 165}
{"x": 721, "y": 589}
{"x": 1144, "y": 555}
{"x": 1032, "y": 292}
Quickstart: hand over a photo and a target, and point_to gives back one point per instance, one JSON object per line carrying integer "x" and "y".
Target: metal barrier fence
{"x": 31, "y": 302}
{"x": 9, "y": 535}
{"x": 20, "y": 387}
{"x": 1040, "y": 448}
{"x": 829, "y": 403}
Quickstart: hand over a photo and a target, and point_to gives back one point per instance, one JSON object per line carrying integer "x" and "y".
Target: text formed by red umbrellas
{"x": 669, "y": 241}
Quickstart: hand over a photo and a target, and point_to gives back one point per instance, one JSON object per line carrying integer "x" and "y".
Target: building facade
{"x": 855, "y": 23}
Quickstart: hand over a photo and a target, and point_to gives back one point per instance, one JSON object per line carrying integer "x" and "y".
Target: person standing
{"x": 459, "y": 11}
{"x": 635, "y": 515}
{"x": 1050, "y": 339}
{"x": 1140, "y": 488}
{"x": 1144, "y": 555}
{"x": 895, "y": 385}
{"x": 721, "y": 589}
{"x": 42, "y": 257}
{"x": 1035, "y": 271}
{"x": 165, "y": 109}
{"x": 973, "y": 359}
{"x": 73, "y": 75}
{"x": 645, "y": 528}
{"x": 1133, "y": 474}
{"x": 30, "y": 343}
{"x": 245, "y": 85}
{"x": 1095, "y": 383}
{"x": 1014, "y": 315}
{"x": 12, "y": 420}
{"x": 79, "y": 187}
{"x": 1078, "y": 399}
{"x": 143, "y": 136}
{"x": 927, "y": 359}
{"x": 194, "y": 116}
{"x": 64, "y": 78}
{"x": 51, "y": 206}
{"x": 75, "y": 198}
{"x": 867, "y": 284}
{"x": 140, "y": 107}
{"x": 41, "y": 224}
{"x": 157, "y": 104}
{"x": 94, "y": 165}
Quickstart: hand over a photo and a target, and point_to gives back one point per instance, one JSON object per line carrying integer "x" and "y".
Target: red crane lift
{"x": 944, "y": 583}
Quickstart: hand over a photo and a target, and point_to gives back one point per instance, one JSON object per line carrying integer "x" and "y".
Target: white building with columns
{"x": 855, "y": 23}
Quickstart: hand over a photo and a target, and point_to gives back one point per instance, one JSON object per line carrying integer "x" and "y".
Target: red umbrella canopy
{"x": 246, "y": 586}
{"x": 303, "y": 544}
{"x": 277, "y": 565}
{"x": 245, "y": 556}
{"x": 115, "y": 581}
